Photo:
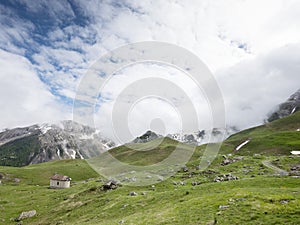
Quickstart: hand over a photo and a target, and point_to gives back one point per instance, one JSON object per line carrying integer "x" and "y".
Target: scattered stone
{"x": 174, "y": 182}
{"x": 223, "y": 206}
{"x": 194, "y": 183}
{"x": 294, "y": 168}
{"x": 181, "y": 183}
{"x": 121, "y": 221}
{"x": 240, "y": 199}
{"x": 225, "y": 177}
{"x": 228, "y": 161}
{"x": 160, "y": 178}
{"x": 284, "y": 201}
{"x": 124, "y": 206}
{"x": 27, "y": 214}
{"x": 110, "y": 185}
{"x": 144, "y": 193}
{"x": 132, "y": 193}
{"x": 185, "y": 169}
{"x": 148, "y": 176}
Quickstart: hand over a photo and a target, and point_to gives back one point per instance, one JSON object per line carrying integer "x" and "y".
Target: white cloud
{"x": 24, "y": 99}
{"x": 254, "y": 87}
{"x": 242, "y": 41}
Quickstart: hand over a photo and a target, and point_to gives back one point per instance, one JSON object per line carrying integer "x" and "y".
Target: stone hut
{"x": 60, "y": 181}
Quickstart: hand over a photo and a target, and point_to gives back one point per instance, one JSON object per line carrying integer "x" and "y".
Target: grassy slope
{"x": 279, "y": 137}
{"x": 147, "y": 153}
{"x": 256, "y": 198}
{"x": 251, "y": 200}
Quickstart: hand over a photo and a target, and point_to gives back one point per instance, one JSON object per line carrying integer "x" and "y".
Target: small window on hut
{"x": 57, "y": 183}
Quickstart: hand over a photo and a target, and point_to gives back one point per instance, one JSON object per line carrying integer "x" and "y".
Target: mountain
{"x": 203, "y": 136}
{"x": 148, "y": 136}
{"x": 279, "y": 137}
{"x": 45, "y": 142}
{"x": 290, "y": 106}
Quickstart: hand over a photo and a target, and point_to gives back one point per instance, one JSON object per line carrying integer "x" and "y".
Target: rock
{"x": 132, "y": 193}
{"x": 185, "y": 169}
{"x": 194, "y": 183}
{"x": 144, "y": 193}
{"x": 160, "y": 178}
{"x": 228, "y": 161}
{"x": 124, "y": 206}
{"x": 110, "y": 185}
{"x": 284, "y": 201}
{"x": 223, "y": 206}
{"x": 27, "y": 214}
{"x": 294, "y": 168}
{"x": 181, "y": 183}
{"x": 121, "y": 221}
{"x": 225, "y": 177}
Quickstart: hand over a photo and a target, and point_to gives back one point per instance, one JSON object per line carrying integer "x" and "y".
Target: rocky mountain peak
{"x": 290, "y": 106}
{"x": 148, "y": 136}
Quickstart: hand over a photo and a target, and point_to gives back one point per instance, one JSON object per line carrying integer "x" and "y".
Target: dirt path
{"x": 278, "y": 171}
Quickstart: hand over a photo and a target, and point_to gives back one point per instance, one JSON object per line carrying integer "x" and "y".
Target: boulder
{"x": 132, "y": 193}
{"x": 26, "y": 214}
{"x": 110, "y": 185}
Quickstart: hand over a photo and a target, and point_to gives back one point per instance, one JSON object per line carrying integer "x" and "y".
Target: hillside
{"x": 263, "y": 186}
{"x": 190, "y": 197}
{"x": 279, "y": 137}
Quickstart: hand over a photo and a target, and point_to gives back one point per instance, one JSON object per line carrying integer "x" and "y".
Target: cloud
{"x": 24, "y": 99}
{"x": 250, "y": 45}
{"x": 254, "y": 87}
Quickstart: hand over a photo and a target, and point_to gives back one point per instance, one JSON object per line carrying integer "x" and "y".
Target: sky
{"x": 252, "y": 47}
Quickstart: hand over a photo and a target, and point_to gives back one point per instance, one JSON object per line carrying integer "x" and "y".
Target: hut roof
{"x": 60, "y": 177}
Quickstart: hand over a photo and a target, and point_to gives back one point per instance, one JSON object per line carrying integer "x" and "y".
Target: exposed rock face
{"x": 148, "y": 136}
{"x": 289, "y": 107}
{"x": 42, "y": 143}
